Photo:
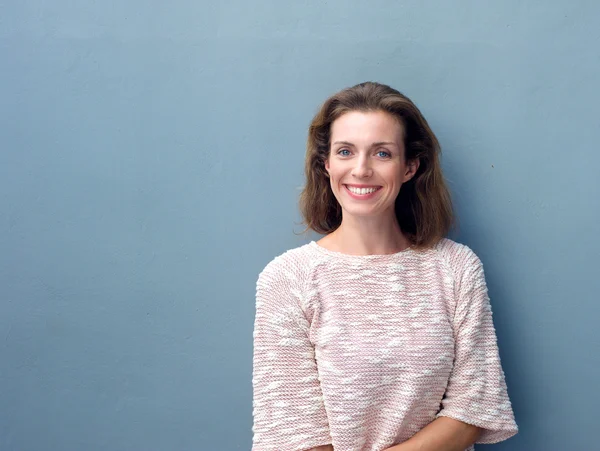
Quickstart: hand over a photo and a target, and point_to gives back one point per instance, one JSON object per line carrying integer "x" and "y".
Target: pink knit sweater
{"x": 362, "y": 352}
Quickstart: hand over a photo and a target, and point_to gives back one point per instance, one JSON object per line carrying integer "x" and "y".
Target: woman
{"x": 379, "y": 336}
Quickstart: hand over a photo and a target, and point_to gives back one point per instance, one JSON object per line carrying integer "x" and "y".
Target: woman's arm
{"x": 475, "y": 407}
{"x": 285, "y": 379}
{"x": 442, "y": 434}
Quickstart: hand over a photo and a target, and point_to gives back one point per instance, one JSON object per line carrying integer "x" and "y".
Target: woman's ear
{"x": 327, "y": 167}
{"x": 412, "y": 166}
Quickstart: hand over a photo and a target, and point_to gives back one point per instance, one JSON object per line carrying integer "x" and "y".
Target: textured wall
{"x": 150, "y": 159}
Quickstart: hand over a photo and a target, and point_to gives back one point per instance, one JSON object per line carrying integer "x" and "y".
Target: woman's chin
{"x": 362, "y": 211}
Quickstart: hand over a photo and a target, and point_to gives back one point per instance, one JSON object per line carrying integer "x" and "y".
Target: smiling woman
{"x": 367, "y": 163}
{"x": 374, "y": 117}
{"x": 380, "y": 335}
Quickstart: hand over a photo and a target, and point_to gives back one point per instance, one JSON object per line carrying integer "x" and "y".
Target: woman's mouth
{"x": 362, "y": 193}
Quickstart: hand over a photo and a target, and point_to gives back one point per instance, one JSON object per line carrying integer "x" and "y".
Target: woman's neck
{"x": 366, "y": 239}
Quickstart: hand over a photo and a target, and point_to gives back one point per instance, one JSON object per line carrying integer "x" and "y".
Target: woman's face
{"x": 366, "y": 162}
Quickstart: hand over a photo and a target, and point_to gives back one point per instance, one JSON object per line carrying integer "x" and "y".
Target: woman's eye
{"x": 381, "y": 153}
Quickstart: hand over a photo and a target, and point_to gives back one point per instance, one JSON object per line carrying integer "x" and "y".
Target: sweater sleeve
{"x": 288, "y": 409}
{"x": 476, "y": 392}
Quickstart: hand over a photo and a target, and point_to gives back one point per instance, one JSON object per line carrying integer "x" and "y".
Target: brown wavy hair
{"x": 423, "y": 206}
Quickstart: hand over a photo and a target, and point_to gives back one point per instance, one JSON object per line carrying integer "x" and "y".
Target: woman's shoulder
{"x": 456, "y": 255}
{"x": 290, "y": 264}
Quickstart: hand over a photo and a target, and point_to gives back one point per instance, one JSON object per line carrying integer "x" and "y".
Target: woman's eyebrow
{"x": 345, "y": 143}
{"x": 380, "y": 143}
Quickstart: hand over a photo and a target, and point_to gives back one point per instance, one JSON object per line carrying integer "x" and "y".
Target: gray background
{"x": 151, "y": 159}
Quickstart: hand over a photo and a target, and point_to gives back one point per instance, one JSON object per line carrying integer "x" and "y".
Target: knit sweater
{"x": 363, "y": 351}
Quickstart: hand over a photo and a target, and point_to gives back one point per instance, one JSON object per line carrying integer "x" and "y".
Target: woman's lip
{"x": 362, "y": 196}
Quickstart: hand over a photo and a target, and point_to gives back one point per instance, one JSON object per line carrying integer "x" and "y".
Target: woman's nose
{"x": 362, "y": 168}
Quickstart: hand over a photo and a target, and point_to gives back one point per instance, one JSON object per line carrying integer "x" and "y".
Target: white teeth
{"x": 361, "y": 190}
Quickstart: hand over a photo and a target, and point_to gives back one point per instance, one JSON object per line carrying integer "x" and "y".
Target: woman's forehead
{"x": 358, "y": 127}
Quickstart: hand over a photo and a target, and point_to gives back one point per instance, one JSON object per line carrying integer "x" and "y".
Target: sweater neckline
{"x": 408, "y": 251}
